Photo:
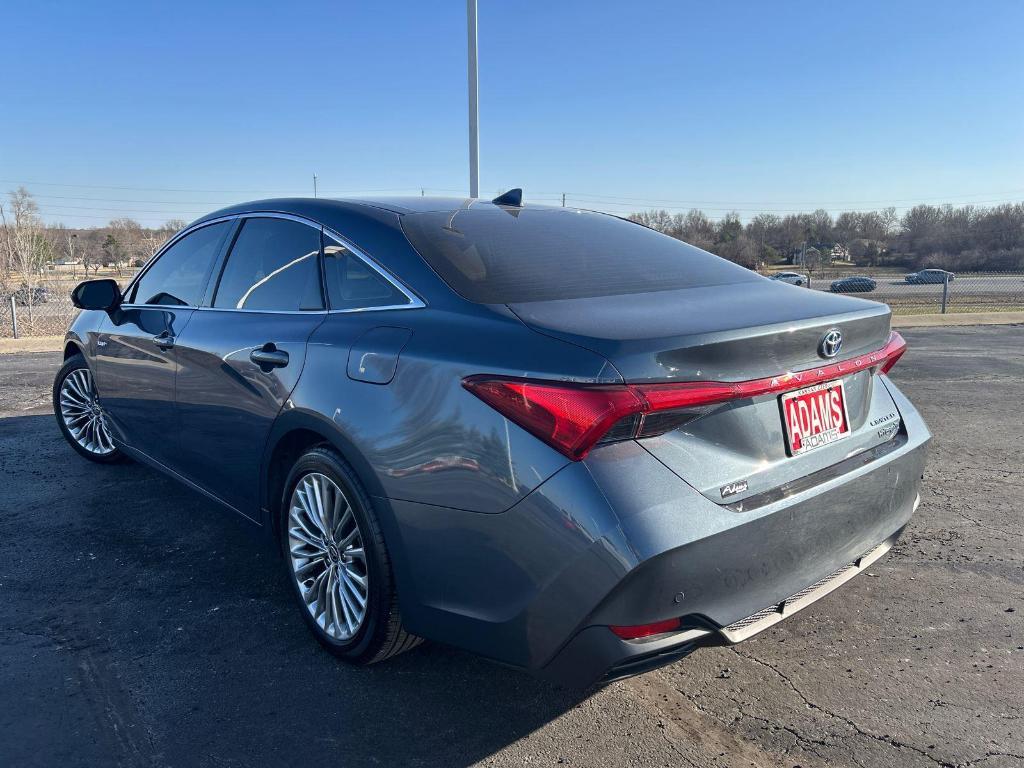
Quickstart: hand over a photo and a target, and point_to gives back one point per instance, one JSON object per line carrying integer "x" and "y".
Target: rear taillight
{"x": 573, "y": 418}
{"x": 892, "y": 352}
{"x": 569, "y": 418}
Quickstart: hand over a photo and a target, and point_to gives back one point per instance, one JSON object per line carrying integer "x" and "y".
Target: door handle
{"x": 165, "y": 340}
{"x": 268, "y": 356}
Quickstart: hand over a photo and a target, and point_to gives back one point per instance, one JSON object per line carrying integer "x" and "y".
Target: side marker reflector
{"x": 645, "y": 630}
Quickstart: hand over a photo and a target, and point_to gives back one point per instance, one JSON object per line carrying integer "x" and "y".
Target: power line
{"x": 140, "y": 189}
{"x": 589, "y": 195}
{"x": 819, "y": 203}
{"x": 127, "y": 200}
{"x": 59, "y": 217}
{"x": 274, "y": 192}
{"x": 634, "y": 206}
{"x": 123, "y": 210}
{"x": 221, "y": 202}
{"x": 194, "y": 206}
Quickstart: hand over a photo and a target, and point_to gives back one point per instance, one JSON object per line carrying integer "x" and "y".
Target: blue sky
{"x": 170, "y": 110}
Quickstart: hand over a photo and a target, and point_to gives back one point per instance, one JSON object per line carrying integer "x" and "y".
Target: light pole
{"x": 474, "y": 135}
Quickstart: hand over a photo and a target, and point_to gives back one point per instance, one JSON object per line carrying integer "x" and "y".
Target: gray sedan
{"x": 930, "y": 276}
{"x": 853, "y": 284}
{"x": 549, "y": 436}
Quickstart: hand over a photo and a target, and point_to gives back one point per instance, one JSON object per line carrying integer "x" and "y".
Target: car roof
{"x": 317, "y": 207}
{"x": 373, "y": 225}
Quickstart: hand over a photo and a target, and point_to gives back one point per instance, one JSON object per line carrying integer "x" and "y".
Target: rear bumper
{"x": 621, "y": 540}
{"x": 596, "y": 654}
{"x": 758, "y": 622}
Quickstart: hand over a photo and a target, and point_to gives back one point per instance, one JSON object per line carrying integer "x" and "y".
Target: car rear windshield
{"x": 493, "y": 255}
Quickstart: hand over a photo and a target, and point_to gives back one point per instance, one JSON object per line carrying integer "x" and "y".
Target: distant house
{"x": 810, "y": 254}
{"x": 840, "y": 253}
{"x": 824, "y": 254}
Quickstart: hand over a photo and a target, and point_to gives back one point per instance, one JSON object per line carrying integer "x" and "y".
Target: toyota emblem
{"x": 831, "y": 343}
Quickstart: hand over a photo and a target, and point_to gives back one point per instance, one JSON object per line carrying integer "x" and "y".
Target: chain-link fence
{"x": 43, "y": 306}
{"x": 929, "y": 291}
{"x": 46, "y": 310}
{"x": 22, "y": 316}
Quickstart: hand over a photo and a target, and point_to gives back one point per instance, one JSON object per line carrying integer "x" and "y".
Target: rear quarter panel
{"x": 421, "y": 437}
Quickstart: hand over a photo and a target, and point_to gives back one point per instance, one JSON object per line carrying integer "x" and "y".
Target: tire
{"x": 79, "y": 414}
{"x": 329, "y": 604}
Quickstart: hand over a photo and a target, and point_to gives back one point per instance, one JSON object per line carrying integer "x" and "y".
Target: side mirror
{"x": 97, "y": 294}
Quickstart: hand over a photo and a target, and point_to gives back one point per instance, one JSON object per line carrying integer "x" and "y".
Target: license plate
{"x": 814, "y": 416}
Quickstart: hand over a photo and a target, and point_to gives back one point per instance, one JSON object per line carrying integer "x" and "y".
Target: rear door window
{"x": 274, "y": 265}
{"x": 179, "y": 276}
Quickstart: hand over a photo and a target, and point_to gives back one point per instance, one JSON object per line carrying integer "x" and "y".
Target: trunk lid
{"x": 712, "y": 333}
{"x": 733, "y": 333}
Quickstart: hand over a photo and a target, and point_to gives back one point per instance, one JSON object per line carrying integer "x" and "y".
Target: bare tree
{"x": 696, "y": 228}
{"x": 27, "y": 249}
{"x": 64, "y": 241}
{"x": 741, "y": 250}
{"x": 811, "y": 259}
{"x": 113, "y": 252}
{"x": 128, "y": 243}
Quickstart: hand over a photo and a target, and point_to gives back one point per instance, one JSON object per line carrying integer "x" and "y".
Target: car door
{"x": 136, "y": 363}
{"x": 241, "y": 355}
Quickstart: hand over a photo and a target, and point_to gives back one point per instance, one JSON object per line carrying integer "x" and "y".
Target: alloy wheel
{"x": 82, "y": 414}
{"x": 327, "y": 557}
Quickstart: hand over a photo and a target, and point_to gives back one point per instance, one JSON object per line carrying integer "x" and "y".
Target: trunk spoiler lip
{"x": 740, "y": 332}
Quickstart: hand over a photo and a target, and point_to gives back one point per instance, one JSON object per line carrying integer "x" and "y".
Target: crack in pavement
{"x": 949, "y": 499}
{"x": 709, "y": 736}
{"x": 965, "y": 516}
{"x": 852, "y": 724}
{"x": 989, "y": 756}
{"x": 807, "y": 743}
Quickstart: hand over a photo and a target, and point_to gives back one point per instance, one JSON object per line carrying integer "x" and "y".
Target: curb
{"x": 32, "y": 344}
{"x": 960, "y": 318}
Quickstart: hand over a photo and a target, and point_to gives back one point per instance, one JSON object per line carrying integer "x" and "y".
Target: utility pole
{"x": 474, "y": 135}
{"x": 314, "y": 185}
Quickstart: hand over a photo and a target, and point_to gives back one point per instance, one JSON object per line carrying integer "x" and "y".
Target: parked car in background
{"x": 793, "y": 278}
{"x": 853, "y": 284}
{"x": 926, "y": 276}
{"x": 26, "y": 295}
{"x": 476, "y": 422}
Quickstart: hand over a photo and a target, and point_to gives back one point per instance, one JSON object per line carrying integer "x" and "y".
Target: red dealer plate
{"x": 814, "y": 416}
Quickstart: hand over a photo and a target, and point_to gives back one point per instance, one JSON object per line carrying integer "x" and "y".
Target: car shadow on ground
{"x": 142, "y": 623}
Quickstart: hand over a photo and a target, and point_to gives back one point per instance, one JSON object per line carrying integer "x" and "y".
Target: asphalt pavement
{"x": 141, "y": 625}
